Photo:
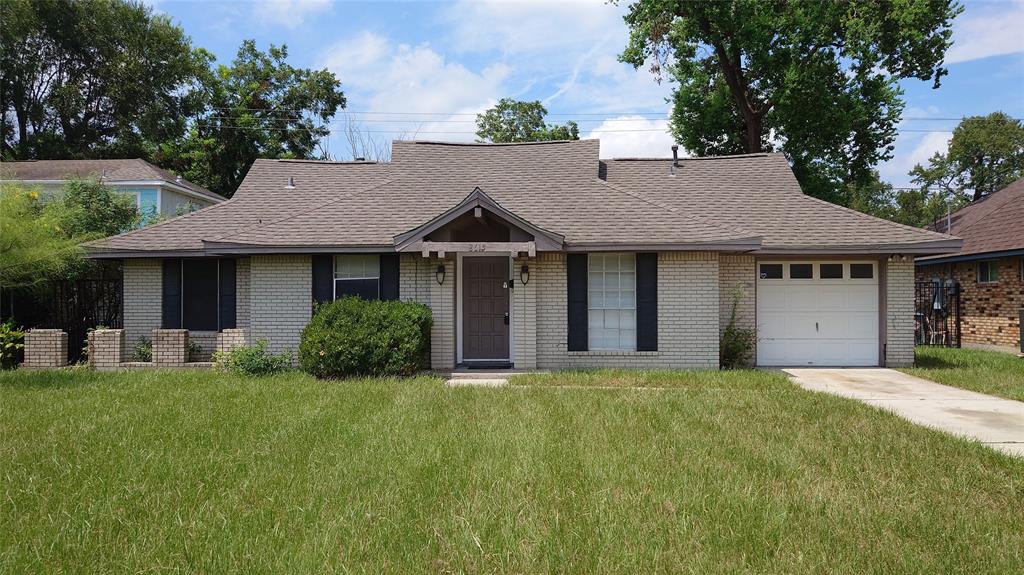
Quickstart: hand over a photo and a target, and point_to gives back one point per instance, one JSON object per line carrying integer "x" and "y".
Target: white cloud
{"x": 288, "y": 13}
{"x": 920, "y": 149}
{"x": 355, "y": 61}
{"x": 981, "y": 33}
{"x": 647, "y": 138}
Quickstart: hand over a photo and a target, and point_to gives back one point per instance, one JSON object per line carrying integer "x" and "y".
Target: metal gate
{"x": 937, "y": 313}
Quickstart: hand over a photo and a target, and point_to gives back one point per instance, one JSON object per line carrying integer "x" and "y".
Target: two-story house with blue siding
{"x": 157, "y": 192}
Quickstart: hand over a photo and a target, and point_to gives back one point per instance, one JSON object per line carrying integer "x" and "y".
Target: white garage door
{"x": 817, "y": 313}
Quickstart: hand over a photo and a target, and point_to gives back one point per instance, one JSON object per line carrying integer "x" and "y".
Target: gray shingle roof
{"x": 557, "y": 186}
{"x": 112, "y": 171}
{"x": 995, "y": 223}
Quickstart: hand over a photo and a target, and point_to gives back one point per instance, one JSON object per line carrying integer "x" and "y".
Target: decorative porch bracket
{"x": 441, "y": 248}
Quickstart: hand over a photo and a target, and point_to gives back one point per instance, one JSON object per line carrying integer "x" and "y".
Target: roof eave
{"x": 915, "y": 248}
{"x": 728, "y": 245}
{"x": 970, "y": 257}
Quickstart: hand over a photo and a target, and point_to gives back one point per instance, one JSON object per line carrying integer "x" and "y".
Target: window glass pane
{"x": 356, "y": 266}
{"x": 801, "y": 271}
{"x": 199, "y": 294}
{"x": 830, "y": 271}
{"x": 366, "y": 288}
{"x": 771, "y": 271}
{"x": 862, "y": 271}
{"x": 612, "y": 294}
{"x": 988, "y": 272}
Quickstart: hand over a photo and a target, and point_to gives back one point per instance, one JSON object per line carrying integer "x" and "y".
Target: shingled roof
{"x": 741, "y": 203}
{"x": 112, "y": 172}
{"x": 993, "y": 224}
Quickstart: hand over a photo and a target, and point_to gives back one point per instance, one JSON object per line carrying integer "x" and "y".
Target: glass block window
{"x": 611, "y": 295}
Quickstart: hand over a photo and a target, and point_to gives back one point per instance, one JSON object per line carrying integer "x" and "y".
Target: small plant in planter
{"x": 737, "y": 344}
{"x": 143, "y": 350}
{"x": 195, "y": 351}
{"x": 252, "y": 360}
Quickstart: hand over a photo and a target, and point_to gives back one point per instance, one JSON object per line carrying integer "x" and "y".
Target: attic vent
{"x": 360, "y": 159}
{"x": 291, "y": 183}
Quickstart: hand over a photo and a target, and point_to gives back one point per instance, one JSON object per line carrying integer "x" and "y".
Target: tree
{"x": 986, "y": 154}
{"x": 516, "y": 121}
{"x": 33, "y": 246}
{"x": 87, "y": 208}
{"x": 93, "y": 78}
{"x": 816, "y": 80}
{"x": 258, "y": 107}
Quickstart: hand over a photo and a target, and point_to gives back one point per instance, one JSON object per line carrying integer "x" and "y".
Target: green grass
{"x": 198, "y": 472}
{"x": 990, "y": 372}
{"x": 695, "y": 379}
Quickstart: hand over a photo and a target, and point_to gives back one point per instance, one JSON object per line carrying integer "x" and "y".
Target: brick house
{"x": 989, "y": 268}
{"x": 539, "y": 255}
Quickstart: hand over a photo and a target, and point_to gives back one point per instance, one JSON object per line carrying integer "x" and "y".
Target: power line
{"x": 617, "y": 130}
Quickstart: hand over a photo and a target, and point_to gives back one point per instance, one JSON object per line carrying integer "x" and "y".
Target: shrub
{"x": 352, "y": 336}
{"x": 12, "y": 342}
{"x": 253, "y": 360}
{"x": 737, "y": 344}
{"x": 143, "y": 350}
{"x": 194, "y": 350}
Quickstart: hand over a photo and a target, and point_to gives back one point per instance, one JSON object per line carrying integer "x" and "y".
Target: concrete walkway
{"x": 996, "y": 422}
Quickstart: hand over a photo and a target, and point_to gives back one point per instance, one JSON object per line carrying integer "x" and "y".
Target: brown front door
{"x": 485, "y": 308}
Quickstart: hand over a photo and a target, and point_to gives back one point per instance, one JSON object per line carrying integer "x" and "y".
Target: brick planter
{"x": 229, "y": 339}
{"x": 106, "y": 349}
{"x": 170, "y": 347}
{"x": 45, "y": 349}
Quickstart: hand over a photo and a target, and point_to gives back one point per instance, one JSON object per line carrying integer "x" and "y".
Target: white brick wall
{"x": 737, "y": 277}
{"x": 524, "y": 316}
{"x": 143, "y": 297}
{"x": 899, "y": 313}
{"x": 281, "y": 300}
{"x": 417, "y": 282}
{"x": 242, "y": 303}
{"x": 688, "y": 313}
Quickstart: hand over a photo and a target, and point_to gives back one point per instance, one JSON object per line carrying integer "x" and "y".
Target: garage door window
{"x": 831, "y": 271}
{"x": 801, "y": 271}
{"x": 862, "y": 271}
{"x": 771, "y": 271}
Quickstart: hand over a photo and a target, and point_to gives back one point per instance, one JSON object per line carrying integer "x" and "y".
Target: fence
{"x": 937, "y": 313}
{"x": 73, "y": 306}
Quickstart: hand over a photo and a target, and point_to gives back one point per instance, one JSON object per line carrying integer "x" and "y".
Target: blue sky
{"x": 438, "y": 63}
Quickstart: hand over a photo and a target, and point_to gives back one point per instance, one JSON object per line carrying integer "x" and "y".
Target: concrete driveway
{"x": 996, "y": 422}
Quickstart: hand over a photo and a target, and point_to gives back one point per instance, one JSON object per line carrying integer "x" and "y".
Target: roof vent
{"x": 675, "y": 156}
{"x": 291, "y": 183}
{"x": 178, "y": 178}
{"x": 360, "y": 159}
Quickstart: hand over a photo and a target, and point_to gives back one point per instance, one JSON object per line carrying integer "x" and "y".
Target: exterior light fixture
{"x": 524, "y": 274}
{"x": 439, "y": 274}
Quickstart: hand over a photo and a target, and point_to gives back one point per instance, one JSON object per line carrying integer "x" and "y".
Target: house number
{"x": 478, "y": 247}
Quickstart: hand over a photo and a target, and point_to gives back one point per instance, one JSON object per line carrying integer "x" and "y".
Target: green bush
{"x": 12, "y": 341}
{"x": 143, "y": 350}
{"x": 253, "y": 360}
{"x": 352, "y": 336}
{"x": 737, "y": 345}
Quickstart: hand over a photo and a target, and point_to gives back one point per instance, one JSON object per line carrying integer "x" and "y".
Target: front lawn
{"x": 209, "y": 473}
{"x": 991, "y": 372}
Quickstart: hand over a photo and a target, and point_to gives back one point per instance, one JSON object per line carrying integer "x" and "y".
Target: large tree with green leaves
{"x": 93, "y": 78}
{"x": 814, "y": 79}
{"x": 519, "y": 121}
{"x": 258, "y": 107}
{"x": 33, "y": 245}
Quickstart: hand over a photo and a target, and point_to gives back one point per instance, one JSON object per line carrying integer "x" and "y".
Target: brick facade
{"x": 524, "y": 315}
{"x": 281, "y": 295}
{"x": 989, "y": 311}
{"x": 143, "y": 297}
{"x": 170, "y": 347}
{"x": 737, "y": 279}
{"x": 688, "y": 313}
{"x": 899, "y": 311}
{"x": 418, "y": 282}
{"x": 107, "y": 349}
{"x": 45, "y": 348}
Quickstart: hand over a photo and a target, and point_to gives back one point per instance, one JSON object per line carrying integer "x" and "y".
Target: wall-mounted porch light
{"x": 524, "y": 274}
{"x": 439, "y": 274}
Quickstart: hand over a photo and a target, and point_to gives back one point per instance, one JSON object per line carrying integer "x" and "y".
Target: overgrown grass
{"x": 991, "y": 372}
{"x": 207, "y": 472}
{"x": 694, "y": 380}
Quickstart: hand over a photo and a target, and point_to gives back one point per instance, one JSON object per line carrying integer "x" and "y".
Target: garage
{"x": 817, "y": 313}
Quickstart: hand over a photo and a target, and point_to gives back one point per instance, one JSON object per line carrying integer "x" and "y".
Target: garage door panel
{"x": 817, "y": 322}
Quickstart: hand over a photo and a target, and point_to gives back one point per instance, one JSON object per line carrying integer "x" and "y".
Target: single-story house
{"x": 539, "y": 255}
{"x": 155, "y": 191}
{"x": 989, "y": 268}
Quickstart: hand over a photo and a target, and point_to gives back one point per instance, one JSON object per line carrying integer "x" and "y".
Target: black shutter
{"x": 389, "y": 276}
{"x": 647, "y": 302}
{"x": 323, "y": 278}
{"x": 227, "y": 294}
{"x": 171, "y": 312}
{"x": 576, "y": 281}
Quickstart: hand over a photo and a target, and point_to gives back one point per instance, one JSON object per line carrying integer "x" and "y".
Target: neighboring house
{"x": 990, "y": 268}
{"x": 539, "y": 255}
{"x": 156, "y": 191}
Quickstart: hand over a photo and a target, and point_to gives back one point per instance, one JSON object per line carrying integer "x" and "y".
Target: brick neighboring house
{"x": 990, "y": 267}
{"x": 539, "y": 255}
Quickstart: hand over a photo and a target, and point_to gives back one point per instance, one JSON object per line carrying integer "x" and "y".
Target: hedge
{"x": 352, "y": 336}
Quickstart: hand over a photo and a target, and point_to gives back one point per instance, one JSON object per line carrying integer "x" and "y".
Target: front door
{"x": 485, "y": 321}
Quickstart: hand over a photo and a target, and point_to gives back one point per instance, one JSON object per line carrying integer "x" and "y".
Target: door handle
{"x": 506, "y": 318}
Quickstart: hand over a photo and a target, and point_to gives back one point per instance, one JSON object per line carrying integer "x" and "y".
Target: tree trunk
{"x": 752, "y": 122}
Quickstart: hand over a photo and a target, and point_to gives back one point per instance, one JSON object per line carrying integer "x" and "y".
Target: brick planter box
{"x": 106, "y": 349}
{"x": 170, "y": 347}
{"x": 45, "y": 349}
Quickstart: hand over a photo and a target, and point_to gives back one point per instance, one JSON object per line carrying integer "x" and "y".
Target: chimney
{"x": 291, "y": 183}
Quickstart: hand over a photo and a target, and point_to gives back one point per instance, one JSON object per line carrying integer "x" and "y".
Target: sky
{"x": 424, "y": 69}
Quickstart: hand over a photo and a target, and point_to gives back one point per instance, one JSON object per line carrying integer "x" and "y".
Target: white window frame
{"x": 592, "y": 311}
{"x": 987, "y": 280}
{"x": 334, "y": 272}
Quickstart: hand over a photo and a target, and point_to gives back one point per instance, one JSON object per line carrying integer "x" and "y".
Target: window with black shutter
{"x": 199, "y": 294}
{"x": 357, "y": 275}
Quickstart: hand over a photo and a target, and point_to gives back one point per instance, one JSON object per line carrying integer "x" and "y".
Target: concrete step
{"x": 486, "y": 373}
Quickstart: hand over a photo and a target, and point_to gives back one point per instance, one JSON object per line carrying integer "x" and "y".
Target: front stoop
{"x": 483, "y": 377}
